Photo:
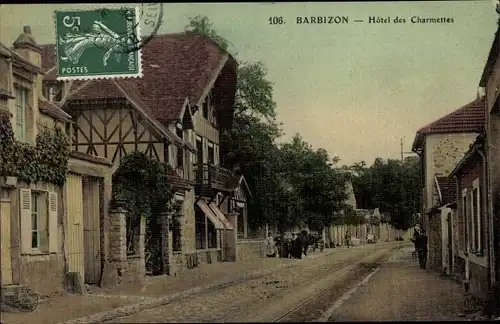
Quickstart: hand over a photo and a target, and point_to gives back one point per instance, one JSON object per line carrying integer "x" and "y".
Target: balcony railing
{"x": 212, "y": 177}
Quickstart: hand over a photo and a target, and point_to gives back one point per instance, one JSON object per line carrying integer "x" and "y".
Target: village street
{"x": 277, "y": 296}
{"x": 307, "y": 290}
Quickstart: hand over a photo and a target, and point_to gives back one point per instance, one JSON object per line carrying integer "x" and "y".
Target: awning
{"x": 221, "y": 216}
{"x": 210, "y": 214}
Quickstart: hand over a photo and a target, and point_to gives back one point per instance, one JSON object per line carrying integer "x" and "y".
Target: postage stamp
{"x": 98, "y": 43}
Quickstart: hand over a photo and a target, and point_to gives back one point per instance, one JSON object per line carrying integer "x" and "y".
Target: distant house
{"x": 473, "y": 219}
{"x": 441, "y": 145}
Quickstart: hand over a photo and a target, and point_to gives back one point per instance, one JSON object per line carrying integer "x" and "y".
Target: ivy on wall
{"x": 47, "y": 161}
{"x": 142, "y": 184}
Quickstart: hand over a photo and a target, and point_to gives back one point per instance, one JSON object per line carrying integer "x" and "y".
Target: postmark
{"x": 104, "y": 42}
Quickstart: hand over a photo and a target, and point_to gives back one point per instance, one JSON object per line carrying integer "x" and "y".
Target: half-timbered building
{"x": 48, "y": 230}
{"x": 175, "y": 114}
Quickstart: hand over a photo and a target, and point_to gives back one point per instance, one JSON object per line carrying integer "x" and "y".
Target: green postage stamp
{"x": 98, "y": 43}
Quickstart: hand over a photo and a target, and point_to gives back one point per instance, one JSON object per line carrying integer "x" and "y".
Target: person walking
{"x": 304, "y": 242}
{"x": 414, "y": 240}
{"x": 422, "y": 249}
{"x": 347, "y": 238}
{"x": 297, "y": 247}
{"x": 270, "y": 246}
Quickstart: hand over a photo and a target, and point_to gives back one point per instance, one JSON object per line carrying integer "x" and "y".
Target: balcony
{"x": 212, "y": 178}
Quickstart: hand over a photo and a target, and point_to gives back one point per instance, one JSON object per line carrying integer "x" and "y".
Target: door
{"x": 91, "y": 230}
{"x": 74, "y": 196}
{"x": 450, "y": 243}
{"x": 5, "y": 246}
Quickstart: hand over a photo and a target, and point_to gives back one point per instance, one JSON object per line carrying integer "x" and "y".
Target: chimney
{"x": 26, "y": 46}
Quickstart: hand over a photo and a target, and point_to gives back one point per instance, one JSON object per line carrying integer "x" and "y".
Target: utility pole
{"x": 403, "y": 153}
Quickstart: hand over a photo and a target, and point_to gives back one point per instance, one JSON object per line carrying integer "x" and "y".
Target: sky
{"x": 354, "y": 89}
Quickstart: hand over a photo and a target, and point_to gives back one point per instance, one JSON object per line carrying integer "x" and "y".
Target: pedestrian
{"x": 270, "y": 246}
{"x": 347, "y": 238}
{"x": 292, "y": 246}
{"x": 297, "y": 247}
{"x": 414, "y": 240}
{"x": 422, "y": 249}
{"x": 278, "y": 241}
{"x": 304, "y": 242}
{"x": 286, "y": 246}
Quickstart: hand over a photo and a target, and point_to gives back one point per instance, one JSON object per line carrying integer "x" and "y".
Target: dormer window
{"x": 209, "y": 109}
{"x": 206, "y": 107}
{"x": 52, "y": 91}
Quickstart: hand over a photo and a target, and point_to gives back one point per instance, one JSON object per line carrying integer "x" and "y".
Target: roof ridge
{"x": 464, "y": 107}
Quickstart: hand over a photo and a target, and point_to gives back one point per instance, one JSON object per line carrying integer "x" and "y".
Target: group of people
{"x": 287, "y": 246}
{"x": 419, "y": 239}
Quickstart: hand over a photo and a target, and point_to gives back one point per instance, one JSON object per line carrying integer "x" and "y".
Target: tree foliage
{"x": 392, "y": 186}
{"x": 143, "y": 184}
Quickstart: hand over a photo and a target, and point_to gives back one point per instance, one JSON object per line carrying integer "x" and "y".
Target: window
{"x": 20, "y": 131}
{"x": 52, "y": 91}
{"x": 477, "y": 237}
{"x": 205, "y": 107}
{"x": 200, "y": 230}
{"x": 212, "y": 235}
{"x": 464, "y": 220}
{"x": 180, "y": 150}
{"x": 199, "y": 148}
{"x": 37, "y": 231}
{"x": 211, "y": 153}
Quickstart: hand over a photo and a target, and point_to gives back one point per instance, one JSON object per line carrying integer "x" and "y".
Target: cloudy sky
{"x": 354, "y": 89}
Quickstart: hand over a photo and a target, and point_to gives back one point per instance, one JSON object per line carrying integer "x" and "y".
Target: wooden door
{"x": 5, "y": 246}
{"x": 91, "y": 232}
{"x": 74, "y": 196}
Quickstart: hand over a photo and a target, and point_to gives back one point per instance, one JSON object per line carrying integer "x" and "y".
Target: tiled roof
{"x": 175, "y": 67}
{"x": 470, "y": 118}
{"x": 53, "y": 110}
{"x": 448, "y": 189}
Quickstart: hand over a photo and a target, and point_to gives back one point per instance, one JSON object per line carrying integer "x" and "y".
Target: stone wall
{"x": 250, "y": 250}
{"x": 121, "y": 268}
{"x": 43, "y": 273}
{"x": 442, "y": 154}
{"x": 188, "y": 223}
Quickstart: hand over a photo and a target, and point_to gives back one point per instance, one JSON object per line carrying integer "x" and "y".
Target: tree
{"x": 392, "y": 186}
{"x": 201, "y": 25}
{"x": 320, "y": 186}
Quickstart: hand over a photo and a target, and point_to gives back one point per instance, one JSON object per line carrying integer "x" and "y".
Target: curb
{"x": 160, "y": 301}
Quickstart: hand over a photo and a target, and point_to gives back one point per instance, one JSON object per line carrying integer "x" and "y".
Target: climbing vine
{"x": 142, "y": 184}
{"x": 47, "y": 161}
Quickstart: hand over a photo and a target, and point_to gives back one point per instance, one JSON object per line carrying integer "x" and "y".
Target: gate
{"x": 91, "y": 230}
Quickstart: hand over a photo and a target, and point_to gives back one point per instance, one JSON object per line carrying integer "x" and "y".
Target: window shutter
{"x": 25, "y": 207}
{"x": 53, "y": 235}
